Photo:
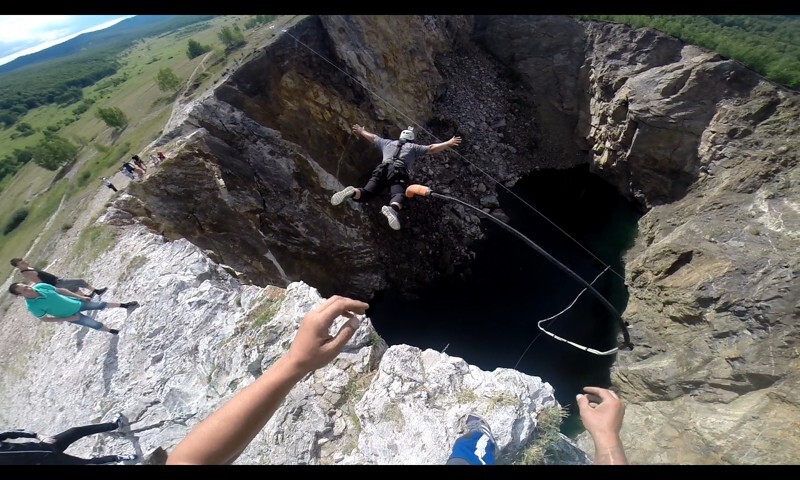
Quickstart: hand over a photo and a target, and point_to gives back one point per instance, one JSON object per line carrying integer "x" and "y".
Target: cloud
{"x": 25, "y": 34}
{"x": 32, "y": 29}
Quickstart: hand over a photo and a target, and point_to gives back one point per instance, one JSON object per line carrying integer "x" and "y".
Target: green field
{"x": 101, "y": 149}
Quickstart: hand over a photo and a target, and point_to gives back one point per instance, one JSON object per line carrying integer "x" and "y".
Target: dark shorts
{"x": 71, "y": 284}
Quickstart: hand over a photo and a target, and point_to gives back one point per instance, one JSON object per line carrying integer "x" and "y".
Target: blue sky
{"x": 26, "y": 34}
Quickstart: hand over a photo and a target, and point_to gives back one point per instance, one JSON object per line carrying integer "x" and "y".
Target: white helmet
{"x": 407, "y": 135}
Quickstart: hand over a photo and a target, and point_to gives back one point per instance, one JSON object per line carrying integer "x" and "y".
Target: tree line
{"x": 767, "y": 44}
{"x": 62, "y": 81}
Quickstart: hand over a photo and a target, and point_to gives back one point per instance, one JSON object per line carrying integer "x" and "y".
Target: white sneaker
{"x": 339, "y": 197}
{"x": 391, "y": 216}
{"x": 473, "y": 422}
{"x": 119, "y": 419}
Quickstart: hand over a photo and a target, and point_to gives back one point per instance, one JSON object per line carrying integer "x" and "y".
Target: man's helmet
{"x": 407, "y": 135}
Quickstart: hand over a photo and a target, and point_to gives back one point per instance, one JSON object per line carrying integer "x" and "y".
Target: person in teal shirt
{"x": 53, "y": 304}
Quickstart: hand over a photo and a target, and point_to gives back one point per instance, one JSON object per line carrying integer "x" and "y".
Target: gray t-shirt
{"x": 408, "y": 154}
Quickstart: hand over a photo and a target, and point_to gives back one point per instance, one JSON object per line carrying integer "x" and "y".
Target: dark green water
{"x": 490, "y": 320}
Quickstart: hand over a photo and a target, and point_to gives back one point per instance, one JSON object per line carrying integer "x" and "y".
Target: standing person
{"x": 128, "y": 173}
{"x": 34, "y": 275}
{"x": 139, "y": 163}
{"x": 133, "y": 169}
{"x": 51, "y": 304}
{"x": 50, "y": 450}
{"x": 108, "y": 184}
{"x": 128, "y": 168}
{"x": 398, "y": 158}
{"x": 161, "y": 156}
{"x": 221, "y": 438}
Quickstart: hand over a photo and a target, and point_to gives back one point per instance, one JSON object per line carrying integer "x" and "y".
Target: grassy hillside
{"x": 112, "y": 40}
{"x": 101, "y": 149}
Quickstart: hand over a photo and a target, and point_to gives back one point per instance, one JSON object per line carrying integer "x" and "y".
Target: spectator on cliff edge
{"x": 108, "y": 184}
{"x": 51, "y": 304}
{"x": 48, "y": 450}
{"x": 34, "y": 275}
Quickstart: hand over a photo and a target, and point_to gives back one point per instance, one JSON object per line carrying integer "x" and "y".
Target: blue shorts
{"x": 474, "y": 448}
{"x": 88, "y": 322}
{"x": 87, "y": 305}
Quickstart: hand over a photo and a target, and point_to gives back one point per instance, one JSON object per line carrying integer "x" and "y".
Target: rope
{"x": 622, "y": 323}
{"x": 626, "y": 343}
{"x": 339, "y": 163}
{"x": 421, "y": 127}
{"x": 539, "y": 324}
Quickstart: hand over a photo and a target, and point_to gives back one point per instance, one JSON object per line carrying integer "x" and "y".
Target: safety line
{"x": 539, "y": 324}
{"x": 421, "y": 127}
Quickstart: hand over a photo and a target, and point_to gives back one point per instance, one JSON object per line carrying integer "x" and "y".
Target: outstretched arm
{"x": 221, "y": 438}
{"x": 601, "y": 414}
{"x": 438, "y": 147}
{"x": 364, "y": 133}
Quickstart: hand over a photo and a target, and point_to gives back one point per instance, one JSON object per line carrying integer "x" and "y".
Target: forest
{"x": 767, "y": 44}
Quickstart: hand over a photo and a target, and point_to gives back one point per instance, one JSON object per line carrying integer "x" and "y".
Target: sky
{"x": 25, "y": 34}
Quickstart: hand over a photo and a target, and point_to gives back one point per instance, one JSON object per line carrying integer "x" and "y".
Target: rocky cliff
{"x": 707, "y": 149}
{"x": 199, "y": 336}
{"x": 710, "y": 150}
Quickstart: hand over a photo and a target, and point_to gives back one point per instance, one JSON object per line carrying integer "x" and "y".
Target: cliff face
{"x": 707, "y": 148}
{"x": 200, "y": 336}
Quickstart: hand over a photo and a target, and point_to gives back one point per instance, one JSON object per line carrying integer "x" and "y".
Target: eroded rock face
{"x": 200, "y": 336}
{"x": 707, "y": 148}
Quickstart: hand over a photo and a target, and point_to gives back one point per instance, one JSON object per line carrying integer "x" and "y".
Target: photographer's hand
{"x": 601, "y": 413}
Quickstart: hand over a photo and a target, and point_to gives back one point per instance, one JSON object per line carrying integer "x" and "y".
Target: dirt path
{"x": 93, "y": 204}
{"x": 19, "y": 338}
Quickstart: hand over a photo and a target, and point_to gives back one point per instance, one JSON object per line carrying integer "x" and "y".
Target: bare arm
{"x": 601, "y": 413}
{"x": 364, "y": 133}
{"x": 67, "y": 293}
{"x": 31, "y": 276}
{"x": 221, "y": 438}
{"x": 438, "y": 147}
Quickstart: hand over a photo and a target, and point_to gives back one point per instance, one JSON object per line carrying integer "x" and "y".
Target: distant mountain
{"x": 116, "y": 37}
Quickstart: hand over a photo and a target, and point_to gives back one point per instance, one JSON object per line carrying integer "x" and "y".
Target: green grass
{"x": 265, "y": 312}
{"x": 92, "y": 242}
{"x": 101, "y": 151}
{"x": 356, "y": 388}
{"x": 547, "y": 435}
{"x": 466, "y": 396}
{"x": 17, "y": 243}
{"x": 352, "y": 442}
{"x": 135, "y": 263}
{"x": 502, "y": 399}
